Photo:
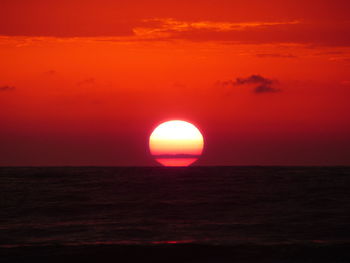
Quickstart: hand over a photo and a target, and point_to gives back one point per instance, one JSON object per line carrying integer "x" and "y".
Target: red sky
{"x": 85, "y": 82}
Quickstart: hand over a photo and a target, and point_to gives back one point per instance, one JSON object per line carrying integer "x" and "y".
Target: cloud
{"x": 88, "y": 81}
{"x": 275, "y": 55}
{"x": 170, "y": 24}
{"x": 258, "y": 83}
{"x": 50, "y": 72}
{"x": 253, "y": 79}
{"x": 172, "y": 28}
{"x": 265, "y": 88}
{"x": 289, "y": 21}
{"x": 7, "y": 88}
{"x": 260, "y": 31}
{"x": 254, "y": 32}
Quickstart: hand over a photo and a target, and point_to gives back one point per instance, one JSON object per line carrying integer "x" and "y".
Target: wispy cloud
{"x": 275, "y": 55}
{"x": 167, "y": 27}
{"x": 290, "y": 31}
{"x": 7, "y": 88}
{"x": 50, "y": 72}
{"x": 88, "y": 81}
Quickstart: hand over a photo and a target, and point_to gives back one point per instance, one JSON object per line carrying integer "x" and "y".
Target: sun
{"x": 176, "y": 143}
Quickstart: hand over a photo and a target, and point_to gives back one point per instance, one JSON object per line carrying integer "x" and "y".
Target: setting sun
{"x": 176, "y": 143}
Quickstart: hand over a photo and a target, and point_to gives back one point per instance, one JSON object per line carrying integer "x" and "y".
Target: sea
{"x": 175, "y": 214}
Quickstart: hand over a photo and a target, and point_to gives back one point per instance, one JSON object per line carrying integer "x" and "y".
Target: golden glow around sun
{"x": 176, "y": 143}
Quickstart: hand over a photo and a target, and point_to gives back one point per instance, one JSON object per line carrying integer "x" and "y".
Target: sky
{"x": 86, "y": 82}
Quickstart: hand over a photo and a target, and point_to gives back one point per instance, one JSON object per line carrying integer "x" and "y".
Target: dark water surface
{"x": 206, "y": 206}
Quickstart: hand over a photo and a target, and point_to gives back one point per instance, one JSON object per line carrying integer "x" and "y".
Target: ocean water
{"x": 151, "y": 206}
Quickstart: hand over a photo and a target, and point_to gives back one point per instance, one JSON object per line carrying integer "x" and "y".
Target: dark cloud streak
{"x": 7, "y": 88}
{"x": 265, "y": 88}
{"x": 260, "y": 83}
{"x": 275, "y": 55}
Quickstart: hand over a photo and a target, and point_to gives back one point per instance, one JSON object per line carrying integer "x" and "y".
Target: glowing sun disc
{"x": 176, "y": 143}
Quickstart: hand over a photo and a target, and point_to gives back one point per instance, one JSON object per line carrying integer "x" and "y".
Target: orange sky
{"x": 85, "y": 82}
